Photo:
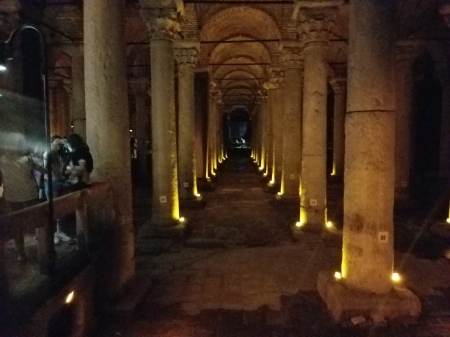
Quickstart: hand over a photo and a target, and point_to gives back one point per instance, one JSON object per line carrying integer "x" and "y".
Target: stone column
{"x": 78, "y": 104}
{"x": 277, "y": 112}
{"x": 163, "y": 25}
{"x": 268, "y": 142}
{"x": 212, "y": 131}
{"x": 292, "y": 123}
{"x": 368, "y": 253}
{"x": 366, "y": 286}
{"x": 140, "y": 88}
{"x": 404, "y": 87}
{"x": 107, "y": 125}
{"x": 186, "y": 56}
{"x": 263, "y": 131}
{"x": 315, "y": 28}
{"x": 339, "y": 85}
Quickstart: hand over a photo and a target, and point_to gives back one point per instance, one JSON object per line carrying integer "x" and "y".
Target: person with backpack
{"x": 79, "y": 163}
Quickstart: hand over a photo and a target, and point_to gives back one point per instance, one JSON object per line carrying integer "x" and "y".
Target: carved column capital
{"x": 316, "y": 24}
{"x": 276, "y": 79}
{"x": 292, "y": 58}
{"x": 186, "y": 57}
{"x": 162, "y": 23}
{"x": 339, "y": 85}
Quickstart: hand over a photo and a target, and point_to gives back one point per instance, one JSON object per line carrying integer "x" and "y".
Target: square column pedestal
{"x": 345, "y": 303}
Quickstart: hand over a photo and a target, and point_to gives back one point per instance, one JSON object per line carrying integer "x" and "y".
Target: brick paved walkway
{"x": 238, "y": 273}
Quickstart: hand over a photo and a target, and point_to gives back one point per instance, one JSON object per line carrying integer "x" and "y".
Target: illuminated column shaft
{"x": 269, "y": 136}
{"x": 368, "y": 252}
{"x": 313, "y": 176}
{"x": 263, "y": 133}
{"x": 219, "y": 134}
{"x": 292, "y": 124}
{"x": 187, "y": 59}
{"x": 165, "y": 207}
{"x": 107, "y": 124}
{"x": 404, "y": 104}
{"x": 78, "y": 102}
{"x": 277, "y": 111}
{"x": 140, "y": 89}
{"x": 339, "y": 86}
{"x": 211, "y": 134}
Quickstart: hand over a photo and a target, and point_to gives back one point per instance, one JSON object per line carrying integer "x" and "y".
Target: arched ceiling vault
{"x": 237, "y": 61}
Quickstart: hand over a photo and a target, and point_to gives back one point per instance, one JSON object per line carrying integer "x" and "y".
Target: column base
{"x": 174, "y": 229}
{"x": 345, "y": 303}
{"x": 275, "y": 188}
{"x": 192, "y": 203}
{"x": 290, "y": 199}
{"x": 304, "y": 234}
{"x": 205, "y": 185}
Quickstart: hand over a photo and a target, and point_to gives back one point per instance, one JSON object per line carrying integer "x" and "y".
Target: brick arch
{"x": 257, "y": 51}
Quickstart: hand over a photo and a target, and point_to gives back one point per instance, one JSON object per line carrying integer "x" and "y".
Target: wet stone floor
{"x": 238, "y": 273}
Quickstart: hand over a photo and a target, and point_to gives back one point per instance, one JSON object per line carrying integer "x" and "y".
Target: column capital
{"x": 276, "y": 79}
{"x": 139, "y": 86}
{"x": 339, "y": 85}
{"x": 186, "y": 55}
{"x": 162, "y": 22}
{"x": 292, "y": 57}
{"x": 316, "y": 23}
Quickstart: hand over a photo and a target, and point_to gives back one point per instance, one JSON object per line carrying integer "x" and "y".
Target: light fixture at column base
{"x": 345, "y": 303}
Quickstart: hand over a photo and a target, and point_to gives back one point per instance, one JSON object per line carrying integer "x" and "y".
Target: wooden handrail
{"x": 37, "y": 216}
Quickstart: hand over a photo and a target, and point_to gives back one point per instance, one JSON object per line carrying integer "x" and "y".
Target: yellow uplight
{"x": 396, "y": 277}
{"x": 182, "y": 219}
{"x": 213, "y": 173}
{"x": 329, "y": 224}
{"x": 337, "y": 275}
{"x": 261, "y": 168}
{"x": 448, "y": 220}
{"x": 279, "y": 193}
{"x": 299, "y": 224}
{"x": 70, "y": 297}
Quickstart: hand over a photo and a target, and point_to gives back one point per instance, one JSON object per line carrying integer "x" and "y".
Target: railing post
{"x": 82, "y": 223}
{"x": 45, "y": 248}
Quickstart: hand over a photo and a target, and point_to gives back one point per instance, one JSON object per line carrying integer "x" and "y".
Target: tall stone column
{"x": 368, "y": 253}
{"x": 186, "y": 56}
{"x": 292, "y": 123}
{"x": 366, "y": 286}
{"x": 277, "y": 112}
{"x": 78, "y": 103}
{"x": 404, "y": 87}
{"x": 214, "y": 102}
{"x": 107, "y": 127}
{"x": 339, "y": 85}
{"x": 163, "y": 25}
{"x": 268, "y": 143}
{"x": 140, "y": 88}
{"x": 315, "y": 28}
{"x": 263, "y": 131}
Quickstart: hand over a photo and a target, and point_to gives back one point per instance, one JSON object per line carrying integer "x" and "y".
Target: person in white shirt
{"x": 20, "y": 189}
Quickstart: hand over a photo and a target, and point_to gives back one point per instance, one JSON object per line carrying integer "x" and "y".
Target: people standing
{"x": 79, "y": 163}
{"x": 55, "y": 161}
{"x": 19, "y": 183}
